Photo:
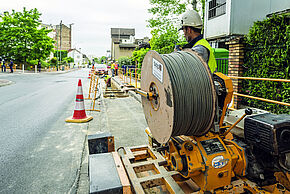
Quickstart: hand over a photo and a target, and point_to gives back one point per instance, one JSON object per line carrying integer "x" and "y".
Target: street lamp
{"x": 70, "y": 34}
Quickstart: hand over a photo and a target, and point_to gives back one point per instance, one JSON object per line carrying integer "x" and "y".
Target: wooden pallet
{"x": 146, "y": 176}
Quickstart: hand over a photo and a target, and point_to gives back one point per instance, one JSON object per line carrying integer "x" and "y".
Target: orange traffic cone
{"x": 79, "y": 115}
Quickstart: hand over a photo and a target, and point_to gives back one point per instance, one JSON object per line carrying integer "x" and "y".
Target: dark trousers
{"x": 113, "y": 72}
{"x": 11, "y": 69}
{"x": 3, "y": 68}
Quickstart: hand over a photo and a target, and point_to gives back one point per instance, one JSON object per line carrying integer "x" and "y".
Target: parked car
{"x": 101, "y": 69}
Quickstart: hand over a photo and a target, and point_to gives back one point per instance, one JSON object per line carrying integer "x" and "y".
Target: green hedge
{"x": 267, "y": 56}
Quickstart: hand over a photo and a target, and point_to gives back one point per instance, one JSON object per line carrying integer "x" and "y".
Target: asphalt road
{"x": 39, "y": 152}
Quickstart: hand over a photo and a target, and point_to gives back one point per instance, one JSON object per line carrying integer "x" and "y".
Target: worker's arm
{"x": 202, "y": 51}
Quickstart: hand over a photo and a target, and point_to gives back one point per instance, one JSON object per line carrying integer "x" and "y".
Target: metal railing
{"x": 130, "y": 76}
{"x": 222, "y": 65}
{"x": 259, "y": 98}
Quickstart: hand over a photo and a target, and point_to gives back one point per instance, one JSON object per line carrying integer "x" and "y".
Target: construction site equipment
{"x": 148, "y": 174}
{"x": 185, "y": 106}
{"x": 188, "y": 101}
{"x": 91, "y": 86}
{"x": 102, "y": 142}
{"x": 96, "y": 90}
{"x": 79, "y": 115}
{"x": 114, "y": 92}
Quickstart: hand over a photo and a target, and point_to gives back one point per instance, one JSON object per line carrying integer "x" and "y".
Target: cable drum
{"x": 186, "y": 99}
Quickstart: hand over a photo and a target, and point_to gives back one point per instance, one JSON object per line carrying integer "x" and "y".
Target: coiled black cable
{"x": 193, "y": 94}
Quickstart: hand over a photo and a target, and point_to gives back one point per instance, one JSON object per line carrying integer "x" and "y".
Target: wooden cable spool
{"x": 184, "y": 99}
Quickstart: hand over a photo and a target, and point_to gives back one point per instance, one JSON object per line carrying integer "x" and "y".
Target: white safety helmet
{"x": 191, "y": 18}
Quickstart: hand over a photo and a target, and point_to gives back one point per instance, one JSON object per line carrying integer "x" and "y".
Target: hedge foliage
{"x": 267, "y": 56}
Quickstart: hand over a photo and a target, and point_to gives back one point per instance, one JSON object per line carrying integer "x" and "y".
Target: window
{"x": 216, "y": 8}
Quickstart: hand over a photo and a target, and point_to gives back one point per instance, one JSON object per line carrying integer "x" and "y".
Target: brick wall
{"x": 235, "y": 68}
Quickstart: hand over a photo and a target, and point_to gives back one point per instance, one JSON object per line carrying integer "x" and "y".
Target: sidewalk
{"x": 122, "y": 117}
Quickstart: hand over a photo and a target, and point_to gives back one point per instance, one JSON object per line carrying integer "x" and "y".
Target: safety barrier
{"x": 259, "y": 98}
{"x": 130, "y": 76}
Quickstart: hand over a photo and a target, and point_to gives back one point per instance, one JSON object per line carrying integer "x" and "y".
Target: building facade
{"x": 227, "y": 18}
{"x": 61, "y": 34}
{"x": 62, "y": 37}
{"x": 79, "y": 58}
{"x": 122, "y": 42}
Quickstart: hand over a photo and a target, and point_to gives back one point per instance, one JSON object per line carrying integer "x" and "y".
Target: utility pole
{"x": 57, "y": 47}
{"x": 60, "y": 38}
{"x": 70, "y": 39}
{"x": 194, "y": 4}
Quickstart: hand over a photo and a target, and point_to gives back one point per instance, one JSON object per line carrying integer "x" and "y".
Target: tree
{"x": 103, "y": 60}
{"x": 53, "y": 61}
{"x": 62, "y": 53}
{"x": 165, "y": 23}
{"x": 21, "y": 37}
{"x": 138, "y": 55}
{"x": 127, "y": 61}
{"x": 267, "y": 55}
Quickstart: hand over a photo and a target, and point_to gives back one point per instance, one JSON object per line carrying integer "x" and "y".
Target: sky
{"x": 92, "y": 19}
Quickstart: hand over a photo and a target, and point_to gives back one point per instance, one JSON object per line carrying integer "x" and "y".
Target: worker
{"x": 113, "y": 69}
{"x": 191, "y": 25}
{"x": 116, "y": 68}
{"x": 39, "y": 66}
{"x": 108, "y": 81}
{"x": 11, "y": 66}
{"x": 3, "y": 66}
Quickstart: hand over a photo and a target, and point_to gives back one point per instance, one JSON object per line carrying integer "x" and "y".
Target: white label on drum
{"x": 157, "y": 70}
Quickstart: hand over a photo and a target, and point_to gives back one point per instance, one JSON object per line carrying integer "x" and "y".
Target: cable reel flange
{"x": 194, "y": 95}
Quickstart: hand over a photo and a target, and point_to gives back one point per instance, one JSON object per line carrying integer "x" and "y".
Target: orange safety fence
{"x": 259, "y": 98}
{"x": 131, "y": 77}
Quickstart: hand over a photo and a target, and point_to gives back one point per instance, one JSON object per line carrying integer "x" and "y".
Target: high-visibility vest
{"x": 211, "y": 62}
{"x": 107, "y": 77}
{"x": 113, "y": 66}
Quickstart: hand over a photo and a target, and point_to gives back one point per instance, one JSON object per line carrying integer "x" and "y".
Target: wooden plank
{"x": 129, "y": 153}
{"x": 122, "y": 173}
{"x": 132, "y": 175}
{"x": 172, "y": 186}
{"x": 162, "y": 179}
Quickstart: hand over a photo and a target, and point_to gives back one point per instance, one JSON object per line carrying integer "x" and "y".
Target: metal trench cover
{"x": 103, "y": 174}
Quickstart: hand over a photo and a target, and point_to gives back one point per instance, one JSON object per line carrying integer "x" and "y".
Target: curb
{"x": 137, "y": 97}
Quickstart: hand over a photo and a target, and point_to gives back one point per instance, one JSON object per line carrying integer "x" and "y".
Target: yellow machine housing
{"x": 209, "y": 161}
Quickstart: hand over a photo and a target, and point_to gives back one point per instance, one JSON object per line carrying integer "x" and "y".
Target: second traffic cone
{"x": 79, "y": 115}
